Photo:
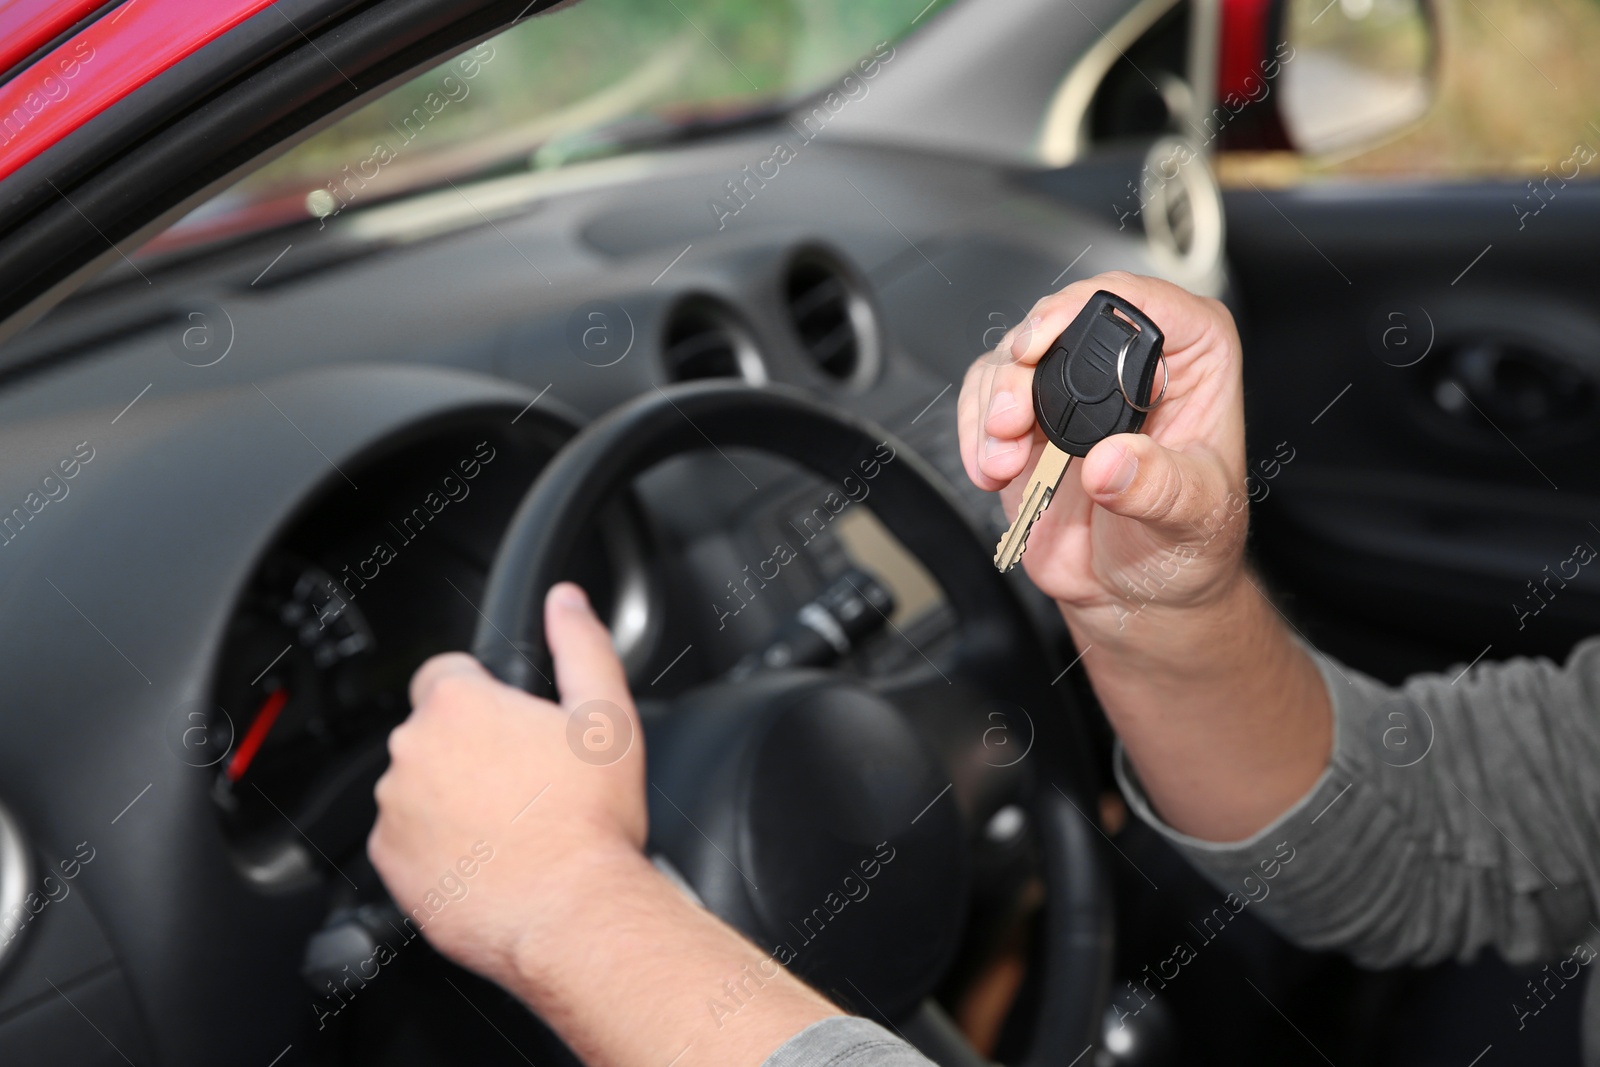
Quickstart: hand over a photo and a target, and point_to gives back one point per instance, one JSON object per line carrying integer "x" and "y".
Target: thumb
{"x": 1178, "y": 495}
{"x": 587, "y": 667}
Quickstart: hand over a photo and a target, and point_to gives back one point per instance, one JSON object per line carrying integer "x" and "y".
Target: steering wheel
{"x": 838, "y": 821}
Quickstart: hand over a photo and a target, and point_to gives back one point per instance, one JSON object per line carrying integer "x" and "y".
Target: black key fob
{"x": 1097, "y": 377}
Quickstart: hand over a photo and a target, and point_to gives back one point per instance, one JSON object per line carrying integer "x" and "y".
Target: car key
{"x": 1094, "y": 381}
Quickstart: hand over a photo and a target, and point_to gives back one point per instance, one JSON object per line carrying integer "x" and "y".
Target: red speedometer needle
{"x": 256, "y": 734}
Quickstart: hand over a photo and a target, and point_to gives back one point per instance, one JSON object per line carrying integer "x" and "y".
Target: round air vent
{"x": 705, "y": 339}
{"x": 832, "y": 317}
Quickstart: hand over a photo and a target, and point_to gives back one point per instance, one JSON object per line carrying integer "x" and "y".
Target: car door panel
{"x": 1431, "y": 359}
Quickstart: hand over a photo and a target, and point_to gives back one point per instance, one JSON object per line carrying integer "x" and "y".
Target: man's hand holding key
{"x": 1155, "y": 491}
{"x": 1142, "y": 546}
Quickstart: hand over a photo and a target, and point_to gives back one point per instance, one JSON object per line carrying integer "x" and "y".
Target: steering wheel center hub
{"x": 851, "y": 867}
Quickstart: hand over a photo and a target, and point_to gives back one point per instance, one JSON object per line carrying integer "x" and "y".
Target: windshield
{"x": 590, "y": 80}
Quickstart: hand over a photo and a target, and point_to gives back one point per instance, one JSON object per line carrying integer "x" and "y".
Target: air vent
{"x": 704, "y": 339}
{"x": 832, "y": 318}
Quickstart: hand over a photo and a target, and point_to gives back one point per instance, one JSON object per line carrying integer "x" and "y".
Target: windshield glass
{"x": 583, "y": 82}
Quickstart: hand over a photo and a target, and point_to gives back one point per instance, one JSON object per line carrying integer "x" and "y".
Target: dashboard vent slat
{"x": 704, "y": 339}
{"x": 830, "y": 317}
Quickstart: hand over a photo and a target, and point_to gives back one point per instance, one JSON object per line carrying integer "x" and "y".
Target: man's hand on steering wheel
{"x": 565, "y": 912}
{"x": 480, "y": 761}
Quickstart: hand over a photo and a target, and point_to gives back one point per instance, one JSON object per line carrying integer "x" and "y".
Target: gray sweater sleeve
{"x": 1456, "y": 812}
{"x": 846, "y": 1041}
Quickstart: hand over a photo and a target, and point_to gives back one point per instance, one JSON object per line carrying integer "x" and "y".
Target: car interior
{"x": 334, "y": 409}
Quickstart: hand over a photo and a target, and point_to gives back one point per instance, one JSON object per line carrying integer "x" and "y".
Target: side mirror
{"x": 1322, "y": 77}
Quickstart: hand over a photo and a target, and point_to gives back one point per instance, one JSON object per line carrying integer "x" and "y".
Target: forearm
{"x": 1431, "y": 834}
{"x": 1223, "y": 715}
{"x": 634, "y": 973}
{"x": 571, "y": 917}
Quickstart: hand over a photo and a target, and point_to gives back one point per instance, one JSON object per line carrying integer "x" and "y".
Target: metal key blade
{"x": 1047, "y": 474}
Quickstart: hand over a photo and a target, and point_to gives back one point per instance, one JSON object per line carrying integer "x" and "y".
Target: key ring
{"x": 1166, "y": 380}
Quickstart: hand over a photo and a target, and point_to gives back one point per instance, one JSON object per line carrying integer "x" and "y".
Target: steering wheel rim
{"x": 998, "y": 648}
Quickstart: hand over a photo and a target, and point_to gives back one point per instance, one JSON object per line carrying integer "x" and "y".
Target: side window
{"x": 1510, "y": 92}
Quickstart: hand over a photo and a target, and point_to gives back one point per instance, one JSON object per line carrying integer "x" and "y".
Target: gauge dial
{"x": 296, "y": 679}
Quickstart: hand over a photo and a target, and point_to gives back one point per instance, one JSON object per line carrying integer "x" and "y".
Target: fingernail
{"x": 996, "y": 446}
{"x": 1122, "y": 477}
{"x": 1001, "y": 402}
{"x": 570, "y": 596}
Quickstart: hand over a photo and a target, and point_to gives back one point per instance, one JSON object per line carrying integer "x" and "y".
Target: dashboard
{"x": 247, "y": 486}
{"x": 349, "y": 598}
{"x": 266, "y": 543}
